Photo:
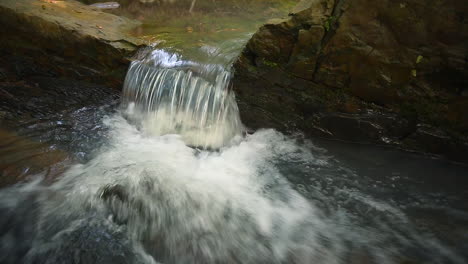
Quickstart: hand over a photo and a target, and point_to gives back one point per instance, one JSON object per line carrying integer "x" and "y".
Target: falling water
{"x": 167, "y": 95}
{"x": 156, "y": 192}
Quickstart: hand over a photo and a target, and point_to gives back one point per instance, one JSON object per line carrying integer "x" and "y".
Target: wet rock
{"x": 106, "y": 5}
{"x": 38, "y": 119}
{"x": 68, "y": 39}
{"x": 21, "y": 157}
{"x": 434, "y": 140}
{"x": 404, "y": 60}
{"x": 350, "y": 127}
{"x": 368, "y": 127}
{"x": 114, "y": 192}
{"x": 43, "y": 95}
{"x": 89, "y": 242}
{"x": 3, "y": 74}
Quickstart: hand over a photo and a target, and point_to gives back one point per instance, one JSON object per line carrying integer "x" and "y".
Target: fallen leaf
{"x": 419, "y": 59}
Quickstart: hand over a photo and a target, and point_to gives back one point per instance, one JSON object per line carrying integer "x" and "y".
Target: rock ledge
{"x": 68, "y": 38}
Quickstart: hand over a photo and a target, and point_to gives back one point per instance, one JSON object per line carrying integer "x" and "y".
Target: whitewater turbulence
{"x": 167, "y": 95}
{"x": 149, "y": 196}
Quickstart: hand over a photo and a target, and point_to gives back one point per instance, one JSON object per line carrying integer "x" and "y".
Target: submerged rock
{"x": 360, "y": 58}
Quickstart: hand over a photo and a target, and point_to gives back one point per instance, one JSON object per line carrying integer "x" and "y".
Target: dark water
{"x": 111, "y": 182}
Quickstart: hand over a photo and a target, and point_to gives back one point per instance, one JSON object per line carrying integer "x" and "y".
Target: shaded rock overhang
{"x": 69, "y": 38}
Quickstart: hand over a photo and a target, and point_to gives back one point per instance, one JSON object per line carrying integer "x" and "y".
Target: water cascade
{"x": 155, "y": 192}
{"x": 170, "y": 96}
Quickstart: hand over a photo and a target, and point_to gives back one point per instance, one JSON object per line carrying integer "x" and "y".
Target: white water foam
{"x": 175, "y": 204}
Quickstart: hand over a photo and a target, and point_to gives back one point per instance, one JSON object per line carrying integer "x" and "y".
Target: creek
{"x": 169, "y": 174}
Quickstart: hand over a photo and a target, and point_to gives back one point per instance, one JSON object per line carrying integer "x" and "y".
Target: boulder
{"x": 341, "y": 68}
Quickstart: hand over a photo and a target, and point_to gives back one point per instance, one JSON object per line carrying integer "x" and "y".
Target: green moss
{"x": 329, "y": 23}
{"x": 270, "y": 64}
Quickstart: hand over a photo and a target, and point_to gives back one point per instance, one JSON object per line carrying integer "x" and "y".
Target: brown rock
{"x": 69, "y": 38}
{"x": 406, "y": 60}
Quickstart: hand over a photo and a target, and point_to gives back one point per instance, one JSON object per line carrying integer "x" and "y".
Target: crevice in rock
{"x": 333, "y": 25}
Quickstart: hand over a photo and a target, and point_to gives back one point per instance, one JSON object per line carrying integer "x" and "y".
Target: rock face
{"x": 381, "y": 71}
{"x": 68, "y": 38}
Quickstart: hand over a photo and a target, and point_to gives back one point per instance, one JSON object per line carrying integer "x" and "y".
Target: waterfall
{"x": 147, "y": 196}
{"x": 167, "y": 95}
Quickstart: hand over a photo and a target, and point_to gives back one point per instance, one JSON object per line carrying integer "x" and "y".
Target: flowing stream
{"x": 171, "y": 176}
